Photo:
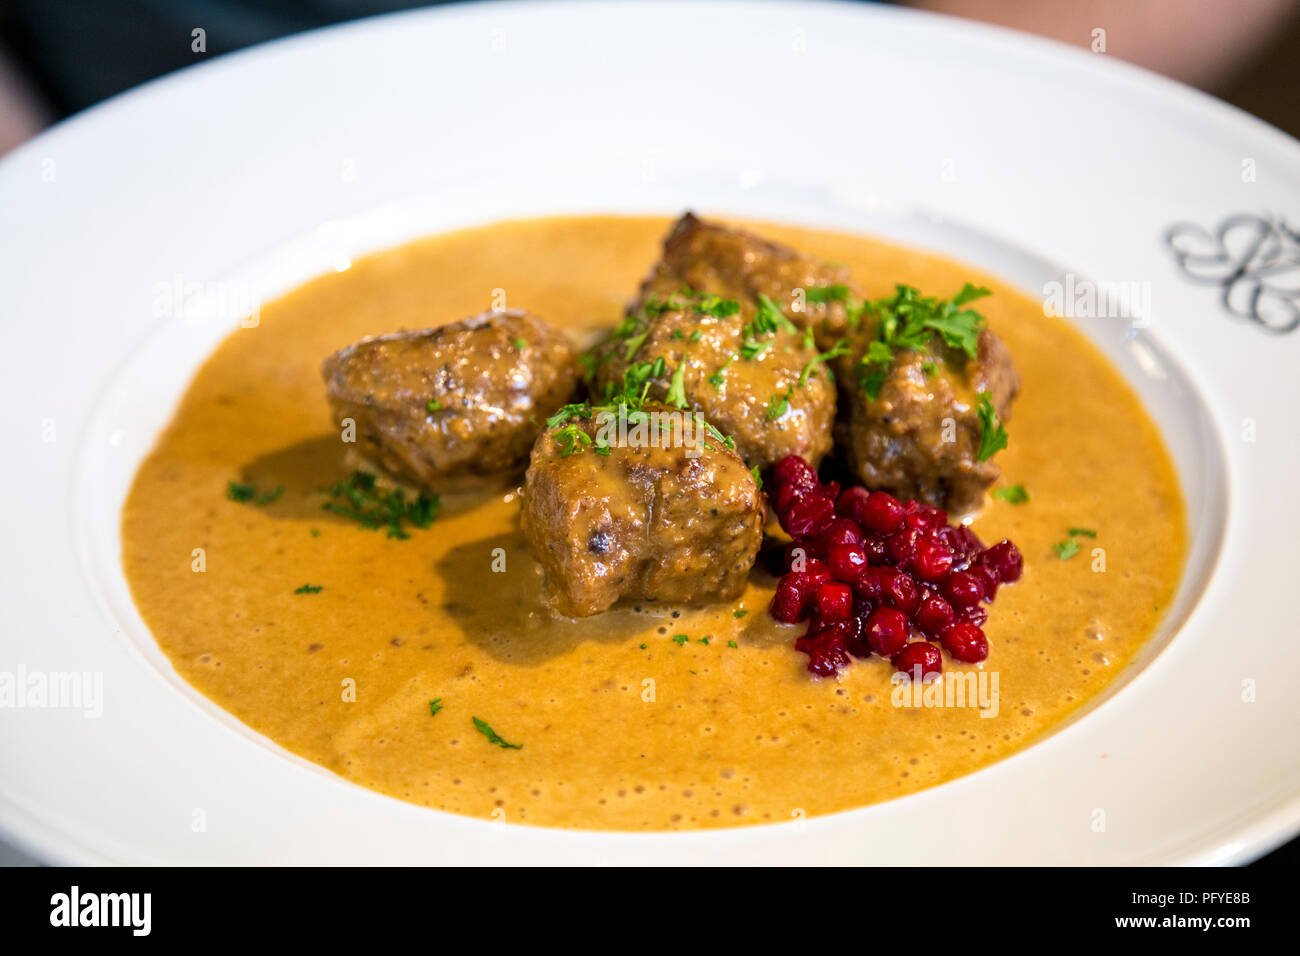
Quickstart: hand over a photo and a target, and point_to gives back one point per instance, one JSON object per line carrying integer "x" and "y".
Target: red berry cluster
{"x": 872, "y": 572}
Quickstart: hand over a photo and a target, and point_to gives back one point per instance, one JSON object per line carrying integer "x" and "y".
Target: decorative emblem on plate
{"x": 1255, "y": 260}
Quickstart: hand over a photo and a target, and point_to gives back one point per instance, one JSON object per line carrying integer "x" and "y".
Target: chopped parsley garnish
{"x": 634, "y": 345}
{"x": 822, "y": 294}
{"x": 758, "y": 477}
{"x": 680, "y": 639}
{"x": 1083, "y": 532}
{"x": 993, "y": 437}
{"x": 704, "y": 641}
{"x": 521, "y": 344}
{"x": 1012, "y": 494}
{"x": 315, "y": 532}
{"x": 718, "y": 379}
{"x": 310, "y": 589}
{"x": 696, "y": 336}
{"x": 373, "y": 509}
{"x": 767, "y": 322}
{"x": 236, "y": 491}
{"x": 572, "y": 438}
{"x": 727, "y": 440}
{"x": 840, "y": 348}
{"x": 677, "y": 390}
{"x": 732, "y": 644}
{"x": 769, "y": 319}
{"x": 909, "y": 321}
{"x": 493, "y": 738}
{"x": 739, "y": 612}
{"x": 435, "y": 705}
{"x": 565, "y": 412}
{"x": 1066, "y": 549}
{"x": 716, "y": 306}
{"x": 778, "y": 405}
{"x": 433, "y": 405}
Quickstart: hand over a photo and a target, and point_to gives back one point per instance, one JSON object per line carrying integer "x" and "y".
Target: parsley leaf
{"x": 1066, "y": 549}
{"x": 374, "y": 509}
{"x": 237, "y": 492}
{"x": 435, "y": 705}
{"x": 493, "y": 738}
{"x": 993, "y": 437}
{"x": 822, "y": 294}
{"x": 840, "y": 348}
{"x": 1083, "y": 532}
{"x": 1012, "y": 494}
{"x": 778, "y": 405}
{"x": 246, "y": 493}
{"x": 910, "y": 321}
{"x": 310, "y": 589}
{"x": 770, "y": 318}
{"x": 677, "y": 391}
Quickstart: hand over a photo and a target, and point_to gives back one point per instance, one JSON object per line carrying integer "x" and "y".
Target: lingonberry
{"x": 965, "y": 544}
{"x": 881, "y": 513}
{"x": 794, "y": 472}
{"x": 847, "y": 562}
{"x": 808, "y": 516}
{"x": 1004, "y": 560}
{"x": 932, "y": 560}
{"x": 887, "y": 631}
{"x": 920, "y": 658}
{"x": 795, "y": 590}
{"x": 965, "y": 642}
{"x": 900, "y": 547}
{"x": 963, "y": 589}
{"x": 826, "y": 646}
{"x": 834, "y": 601}
{"x": 901, "y": 592}
{"x": 841, "y": 531}
{"x": 850, "y": 503}
{"x": 933, "y": 615}
{"x": 986, "y": 578}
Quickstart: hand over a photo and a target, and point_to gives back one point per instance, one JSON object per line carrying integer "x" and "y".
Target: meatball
{"x": 738, "y": 265}
{"x": 449, "y": 407}
{"x": 748, "y": 370}
{"x": 919, "y": 436}
{"x": 719, "y": 310}
{"x": 640, "y": 520}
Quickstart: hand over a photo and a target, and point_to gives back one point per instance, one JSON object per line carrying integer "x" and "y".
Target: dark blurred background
{"x": 61, "y": 56}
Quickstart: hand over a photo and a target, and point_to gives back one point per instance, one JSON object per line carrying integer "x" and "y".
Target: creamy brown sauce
{"x": 732, "y": 735}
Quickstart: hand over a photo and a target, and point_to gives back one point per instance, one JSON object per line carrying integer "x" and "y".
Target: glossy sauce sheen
{"x": 614, "y": 735}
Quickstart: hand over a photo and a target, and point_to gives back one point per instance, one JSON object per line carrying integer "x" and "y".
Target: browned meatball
{"x": 749, "y": 371}
{"x": 644, "y": 522}
{"x": 739, "y": 265}
{"x": 718, "y": 309}
{"x": 920, "y": 436}
{"x": 448, "y": 407}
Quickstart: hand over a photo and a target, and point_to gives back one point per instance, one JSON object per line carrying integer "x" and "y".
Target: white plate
{"x": 261, "y": 169}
